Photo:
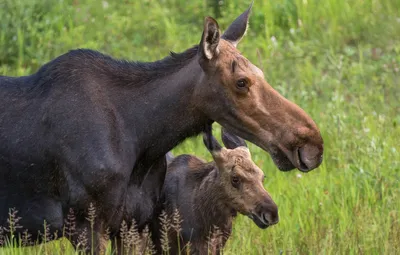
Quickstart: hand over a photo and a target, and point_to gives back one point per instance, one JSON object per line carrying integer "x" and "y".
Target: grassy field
{"x": 338, "y": 59}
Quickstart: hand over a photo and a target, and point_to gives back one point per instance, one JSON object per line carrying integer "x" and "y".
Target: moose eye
{"x": 235, "y": 181}
{"x": 241, "y": 84}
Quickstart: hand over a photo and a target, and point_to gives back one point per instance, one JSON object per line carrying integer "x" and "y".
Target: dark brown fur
{"x": 207, "y": 200}
{"x": 89, "y": 128}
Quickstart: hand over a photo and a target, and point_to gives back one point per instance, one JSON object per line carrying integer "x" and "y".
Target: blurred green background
{"x": 338, "y": 59}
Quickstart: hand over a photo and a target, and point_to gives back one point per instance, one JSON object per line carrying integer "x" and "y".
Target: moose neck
{"x": 161, "y": 110}
{"x": 213, "y": 202}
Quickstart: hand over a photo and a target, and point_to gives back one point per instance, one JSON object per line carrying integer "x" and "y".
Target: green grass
{"x": 338, "y": 59}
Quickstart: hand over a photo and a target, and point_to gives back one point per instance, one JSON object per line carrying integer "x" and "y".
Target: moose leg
{"x": 97, "y": 193}
{"x": 123, "y": 246}
{"x": 89, "y": 238}
{"x": 117, "y": 245}
{"x": 143, "y": 202}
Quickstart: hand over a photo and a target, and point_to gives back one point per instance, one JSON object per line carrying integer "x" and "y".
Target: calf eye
{"x": 235, "y": 181}
{"x": 241, "y": 84}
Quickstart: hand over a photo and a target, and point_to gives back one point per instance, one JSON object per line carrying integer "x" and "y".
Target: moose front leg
{"x": 95, "y": 227}
{"x": 90, "y": 239}
{"x": 142, "y": 203}
{"x": 97, "y": 193}
{"x": 117, "y": 246}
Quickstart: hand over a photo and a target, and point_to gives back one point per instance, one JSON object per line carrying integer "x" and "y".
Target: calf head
{"x": 241, "y": 179}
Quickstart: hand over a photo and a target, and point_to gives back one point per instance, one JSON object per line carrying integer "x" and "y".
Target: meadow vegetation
{"x": 338, "y": 59}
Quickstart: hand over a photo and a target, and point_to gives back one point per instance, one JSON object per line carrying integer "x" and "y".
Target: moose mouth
{"x": 260, "y": 220}
{"x": 305, "y": 158}
{"x": 287, "y": 160}
{"x": 300, "y": 164}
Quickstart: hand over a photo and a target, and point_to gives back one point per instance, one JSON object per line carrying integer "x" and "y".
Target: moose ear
{"x": 232, "y": 141}
{"x": 237, "y": 29}
{"x": 210, "y": 39}
{"x": 209, "y": 140}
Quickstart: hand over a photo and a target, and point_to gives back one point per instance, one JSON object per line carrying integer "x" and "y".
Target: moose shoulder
{"x": 208, "y": 196}
{"x": 89, "y": 128}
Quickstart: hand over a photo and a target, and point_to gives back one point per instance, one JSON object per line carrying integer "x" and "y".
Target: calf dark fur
{"x": 208, "y": 196}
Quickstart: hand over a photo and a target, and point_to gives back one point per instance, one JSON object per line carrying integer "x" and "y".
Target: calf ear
{"x": 210, "y": 39}
{"x": 232, "y": 141}
{"x": 210, "y": 142}
{"x": 238, "y": 28}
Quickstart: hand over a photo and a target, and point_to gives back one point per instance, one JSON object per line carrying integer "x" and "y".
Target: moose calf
{"x": 208, "y": 196}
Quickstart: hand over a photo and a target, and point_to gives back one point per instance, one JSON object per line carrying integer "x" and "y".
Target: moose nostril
{"x": 270, "y": 212}
{"x": 266, "y": 218}
{"x": 270, "y": 218}
{"x": 310, "y": 156}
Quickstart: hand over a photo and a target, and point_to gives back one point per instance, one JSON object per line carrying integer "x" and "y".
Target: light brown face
{"x": 241, "y": 179}
{"x": 234, "y": 93}
{"x": 243, "y": 182}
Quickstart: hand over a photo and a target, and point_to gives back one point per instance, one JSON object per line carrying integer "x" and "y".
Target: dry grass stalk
{"x": 165, "y": 228}
{"x": 188, "y": 247}
{"x": 70, "y": 225}
{"x": 26, "y": 238}
{"x": 215, "y": 241}
{"x": 91, "y": 215}
{"x": 148, "y": 247}
{"x": 176, "y": 221}
{"x": 12, "y": 222}
{"x": 46, "y": 235}
{"x": 2, "y": 237}
{"x": 83, "y": 241}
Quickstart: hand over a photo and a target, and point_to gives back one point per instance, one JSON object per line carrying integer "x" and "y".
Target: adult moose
{"x": 89, "y": 128}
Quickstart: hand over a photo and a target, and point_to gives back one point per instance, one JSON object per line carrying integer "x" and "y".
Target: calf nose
{"x": 270, "y": 213}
